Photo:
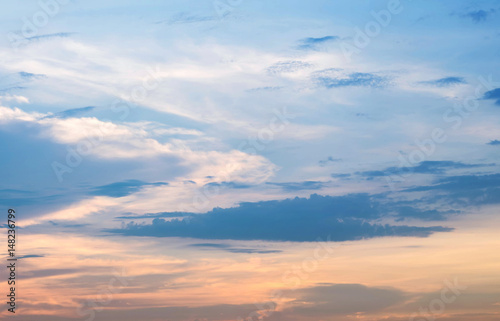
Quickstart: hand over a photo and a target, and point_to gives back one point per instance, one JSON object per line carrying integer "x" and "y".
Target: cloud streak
{"x": 445, "y": 82}
{"x": 312, "y": 43}
{"x": 335, "y": 78}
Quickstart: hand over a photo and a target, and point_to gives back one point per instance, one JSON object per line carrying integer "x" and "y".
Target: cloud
{"x": 27, "y": 141}
{"x": 47, "y": 317}
{"x": 177, "y": 313}
{"x": 265, "y": 88}
{"x": 425, "y": 167}
{"x": 29, "y": 76}
{"x": 252, "y": 251}
{"x": 343, "y": 299}
{"x": 235, "y": 185}
{"x": 299, "y": 219}
{"x": 466, "y": 189}
{"x": 75, "y": 212}
{"x": 409, "y": 212}
{"x": 325, "y": 300}
{"x": 479, "y": 15}
{"x": 469, "y": 298}
{"x": 445, "y": 82}
{"x": 287, "y": 67}
{"x": 312, "y": 43}
{"x": 340, "y": 175}
{"x": 15, "y": 98}
{"x": 48, "y": 272}
{"x": 334, "y": 78}
{"x": 494, "y": 142}
{"x": 18, "y": 81}
{"x": 493, "y": 95}
{"x": 330, "y": 159}
{"x": 69, "y": 113}
{"x": 132, "y": 143}
{"x": 299, "y": 186}
{"x": 186, "y": 17}
{"x": 29, "y": 256}
{"x": 211, "y": 245}
{"x": 7, "y": 89}
{"x": 439, "y": 167}
{"x": 228, "y": 248}
{"x": 23, "y": 198}
{"x": 155, "y": 215}
{"x": 121, "y": 189}
{"x": 50, "y": 35}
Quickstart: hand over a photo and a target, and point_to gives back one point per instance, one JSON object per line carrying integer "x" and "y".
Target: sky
{"x": 218, "y": 160}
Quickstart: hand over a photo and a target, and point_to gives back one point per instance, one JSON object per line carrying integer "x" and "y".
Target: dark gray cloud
{"x": 299, "y": 186}
{"x": 312, "y": 43}
{"x": 493, "y": 95}
{"x": 360, "y": 79}
{"x": 445, "y": 82}
{"x": 120, "y": 189}
{"x": 342, "y": 218}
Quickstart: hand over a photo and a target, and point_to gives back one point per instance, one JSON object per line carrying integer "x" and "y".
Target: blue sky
{"x": 255, "y": 123}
